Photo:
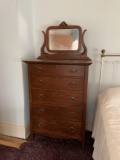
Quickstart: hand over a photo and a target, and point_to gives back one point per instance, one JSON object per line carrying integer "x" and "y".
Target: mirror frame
{"x": 63, "y": 25}
{"x": 46, "y": 53}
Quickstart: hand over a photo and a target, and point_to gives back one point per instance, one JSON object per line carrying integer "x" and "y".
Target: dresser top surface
{"x": 46, "y": 61}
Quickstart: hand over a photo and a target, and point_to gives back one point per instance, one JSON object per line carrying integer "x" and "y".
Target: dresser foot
{"x": 83, "y": 145}
{"x": 32, "y": 136}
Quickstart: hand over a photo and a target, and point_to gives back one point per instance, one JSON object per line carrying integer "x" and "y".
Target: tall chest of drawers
{"x": 58, "y": 92}
{"x": 58, "y": 84}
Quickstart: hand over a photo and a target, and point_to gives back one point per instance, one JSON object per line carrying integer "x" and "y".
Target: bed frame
{"x": 103, "y": 55}
{"x": 106, "y": 128}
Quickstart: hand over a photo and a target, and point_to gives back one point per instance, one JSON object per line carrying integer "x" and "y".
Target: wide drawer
{"x": 60, "y": 70}
{"x": 57, "y": 97}
{"x": 57, "y": 83}
{"x": 70, "y": 114}
{"x": 57, "y": 127}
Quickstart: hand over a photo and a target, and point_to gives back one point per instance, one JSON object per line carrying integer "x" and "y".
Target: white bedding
{"x": 106, "y": 131}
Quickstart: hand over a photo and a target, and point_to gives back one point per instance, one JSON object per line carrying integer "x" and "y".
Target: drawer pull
{"x": 40, "y": 82}
{"x": 73, "y": 84}
{"x": 41, "y": 96}
{"x": 72, "y": 114}
{"x": 41, "y": 125}
{"x": 73, "y": 70}
{"x": 41, "y": 110}
{"x": 72, "y": 99}
{"x": 40, "y": 69}
{"x": 72, "y": 130}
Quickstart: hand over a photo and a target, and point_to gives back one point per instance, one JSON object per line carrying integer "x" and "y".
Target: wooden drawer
{"x": 57, "y": 127}
{"x": 57, "y": 83}
{"x": 57, "y": 97}
{"x": 71, "y": 129}
{"x": 70, "y": 114}
{"x": 59, "y": 70}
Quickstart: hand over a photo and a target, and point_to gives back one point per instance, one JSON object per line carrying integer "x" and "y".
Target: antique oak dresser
{"x": 58, "y": 84}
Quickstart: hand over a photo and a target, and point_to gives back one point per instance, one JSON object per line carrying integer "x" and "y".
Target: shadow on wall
{"x": 93, "y": 88}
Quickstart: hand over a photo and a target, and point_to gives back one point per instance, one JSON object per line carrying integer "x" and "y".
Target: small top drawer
{"x": 61, "y": 70}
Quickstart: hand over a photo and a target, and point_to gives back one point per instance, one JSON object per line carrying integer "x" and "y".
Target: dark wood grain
{"x": 58, "y": 91}
{"x": 60, "y": 70}
{"x": 57, "y": 83}
{"x": 57, "y": 97}
{"x": 71, "y": 114}
{"x": 58, "y": 128}
{"x": 58, "y": 94}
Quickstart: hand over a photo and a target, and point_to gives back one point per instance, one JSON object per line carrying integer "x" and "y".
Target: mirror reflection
{"x": 64, "y": 39}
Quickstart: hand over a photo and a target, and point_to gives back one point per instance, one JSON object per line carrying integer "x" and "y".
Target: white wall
{"x": 26, "y": 42}
{"x": 16, "y": 43}
{"x": 11, "y": 99}
{"x": 100, "y": 18}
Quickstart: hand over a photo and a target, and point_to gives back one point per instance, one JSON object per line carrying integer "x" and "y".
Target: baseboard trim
{"x": 15, "y": 130}
{"x": 24, "y": 131}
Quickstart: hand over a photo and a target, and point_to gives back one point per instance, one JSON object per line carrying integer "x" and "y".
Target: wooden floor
{"x": 11, "y": 141}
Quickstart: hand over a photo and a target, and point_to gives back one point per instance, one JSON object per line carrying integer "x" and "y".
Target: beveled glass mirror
{"x": 63, "y": 39}
{"x": 63, "y": 42}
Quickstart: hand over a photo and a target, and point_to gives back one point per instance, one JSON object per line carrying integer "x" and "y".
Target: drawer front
{"x": 71, "y": 129}
{"x": 57, "y": 97}
{"x": 70, "y": 114}
{"x": 59, "y": 70}
{"x": 57, "y": 127}
{"x": 57, "y": 83}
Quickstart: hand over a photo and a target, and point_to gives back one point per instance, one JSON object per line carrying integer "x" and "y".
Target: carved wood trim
{"x": 63, "y": 24}
{"x": 63, "y": 54}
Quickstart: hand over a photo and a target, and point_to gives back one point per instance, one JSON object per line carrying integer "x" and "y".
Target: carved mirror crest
{"x": 63, "y": 42}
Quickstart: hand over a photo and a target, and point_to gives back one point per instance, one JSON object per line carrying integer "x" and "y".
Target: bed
{"x": 106, "y": 130}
